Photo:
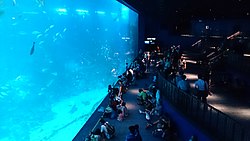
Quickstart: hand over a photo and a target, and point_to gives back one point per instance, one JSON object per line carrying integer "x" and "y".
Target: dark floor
{"x": 122, "y": 126}
{"x": 231, "y": 96}
{"x": 230, "y": 101}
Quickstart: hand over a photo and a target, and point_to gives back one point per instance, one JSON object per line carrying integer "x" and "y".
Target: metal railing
{"x": 221, "y": 126}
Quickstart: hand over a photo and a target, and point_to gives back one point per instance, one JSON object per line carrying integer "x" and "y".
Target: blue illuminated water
{"x": 80, "y": 48}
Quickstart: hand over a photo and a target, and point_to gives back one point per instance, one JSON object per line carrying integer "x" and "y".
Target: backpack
{"x": 110, "y": 129}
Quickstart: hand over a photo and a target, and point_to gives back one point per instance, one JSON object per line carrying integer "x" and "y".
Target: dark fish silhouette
{"x": 32, "y": 49}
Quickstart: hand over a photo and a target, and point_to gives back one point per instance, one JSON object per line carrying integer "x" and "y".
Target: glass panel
{"x": 57, "y": 59}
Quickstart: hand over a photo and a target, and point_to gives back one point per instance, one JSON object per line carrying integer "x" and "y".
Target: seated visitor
{"x": 142, "y": 96}
{"x": 108, "y": 112}
{"x": 152, "y": 89}
{"x": 96, "y": 135}
{"x": 147, "y": 116}
{"x": 120, "y": 115}
{"x": 104, "y": 131}
{"x": 137, "y": 133}
{"x": 123, "y": 108}
{"x": 162, "y": 127}
{"x": 122, "y": 111}
{"x": 107, "y": 131}
{"x": 158, "y": 109}
{"x": 150, "y": 104}
{"x": 133, "y": 134}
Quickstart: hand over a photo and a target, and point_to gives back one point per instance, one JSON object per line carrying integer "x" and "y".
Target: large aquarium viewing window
{"x": 57, "y": 59}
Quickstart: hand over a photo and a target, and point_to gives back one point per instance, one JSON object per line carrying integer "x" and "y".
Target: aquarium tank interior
{"x": 57, "y": 58}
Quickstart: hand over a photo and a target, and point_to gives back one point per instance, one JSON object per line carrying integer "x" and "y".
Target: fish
{"x": 35, "y": 32}
{"x": 14, "y": 2}
{"x": 3, "y": 93}
{"x": 32, "y": 49}
{"x": 40, "y": 3}
{"x": 39, "y": 35}
{"x": 113, "y": 70}
{"x": 18, "y": 78}
{"x": 51, "y": 26}
{"x": 40, "y": 93}
{"x": 50, "y": 83}
{"x": 54, "y": 38}
{"x": 54, "y": 73}
{"x": 65, "y": 29}
{"x": 4, "y": 87}
{"x": 42, "y": 89}
{"x": 128, "y": 53}
{"x": 60, "y": 35}
{"x": 41, "y": 42}
{"x": 46, "y": 30}
{"x": 45, "y": 69}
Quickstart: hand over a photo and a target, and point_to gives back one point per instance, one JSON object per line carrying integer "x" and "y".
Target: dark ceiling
{"x": 177, "y": 12}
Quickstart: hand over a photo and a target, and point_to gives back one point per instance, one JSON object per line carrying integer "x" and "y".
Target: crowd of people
{"x": 116, "y": 108}
{"x": 160, "y": 123}
{"x": 173, "y": 65}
